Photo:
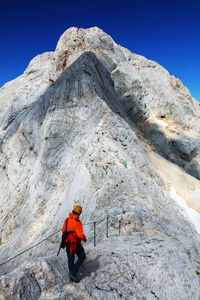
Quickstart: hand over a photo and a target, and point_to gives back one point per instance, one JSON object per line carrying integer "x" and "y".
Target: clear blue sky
{"x": 165, "y": 31}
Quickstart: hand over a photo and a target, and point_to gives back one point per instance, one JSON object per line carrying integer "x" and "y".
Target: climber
{"x": 72, "y": 235}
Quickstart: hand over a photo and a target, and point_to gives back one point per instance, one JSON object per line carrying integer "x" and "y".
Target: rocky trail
{"x": 93, "y": 124}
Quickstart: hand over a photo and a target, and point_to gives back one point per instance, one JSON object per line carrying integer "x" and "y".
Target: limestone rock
{"x": 136, "y": 267}
{"x": 41, "y": 279}
{"x": 67, "y": 126}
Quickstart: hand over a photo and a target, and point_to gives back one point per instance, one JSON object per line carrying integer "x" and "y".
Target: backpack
{"x": 65, "y": 236}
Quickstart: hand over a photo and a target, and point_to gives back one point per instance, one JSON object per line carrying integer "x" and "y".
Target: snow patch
{"x": 162, "y": 123}
{"x": 192, "y": 215}
{"x": 196, "y": 193}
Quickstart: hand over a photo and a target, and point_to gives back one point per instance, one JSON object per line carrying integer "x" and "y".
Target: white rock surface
{"x": 67, "y": 125}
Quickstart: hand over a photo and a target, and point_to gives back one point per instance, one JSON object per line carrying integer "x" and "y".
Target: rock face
{"x": 136, "y": 267}
{"x": 67, "y": 126}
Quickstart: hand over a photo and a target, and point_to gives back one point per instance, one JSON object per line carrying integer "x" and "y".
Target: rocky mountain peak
{"x": 75, "y": 38}
{"x": 76, "y": 41}
{"x": 68, "y": 125}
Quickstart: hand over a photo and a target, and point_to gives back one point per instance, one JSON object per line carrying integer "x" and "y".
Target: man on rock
{"x": 72, "y": 236}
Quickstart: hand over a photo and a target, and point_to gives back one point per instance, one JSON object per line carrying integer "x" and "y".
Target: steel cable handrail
{"x": 54, "y": 234}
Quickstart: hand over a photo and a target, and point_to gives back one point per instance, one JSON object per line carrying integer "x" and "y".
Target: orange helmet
{"x": 77, "y": 209}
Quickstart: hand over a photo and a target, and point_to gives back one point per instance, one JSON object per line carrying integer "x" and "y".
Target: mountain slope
{"x": 67, "y": 126}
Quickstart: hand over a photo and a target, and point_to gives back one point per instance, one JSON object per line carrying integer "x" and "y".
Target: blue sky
{"x": 165, "y": 31}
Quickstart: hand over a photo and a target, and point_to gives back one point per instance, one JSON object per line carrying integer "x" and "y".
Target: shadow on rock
{"x": 90, "y": 266}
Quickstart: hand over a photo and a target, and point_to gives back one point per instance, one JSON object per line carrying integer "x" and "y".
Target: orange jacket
{"x": 74, "y": 224}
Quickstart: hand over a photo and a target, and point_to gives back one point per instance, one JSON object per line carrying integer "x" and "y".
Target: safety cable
{"x": 93, "y": 222}
{"x": 28, "y": 248}
{"x": 40, "y": 243}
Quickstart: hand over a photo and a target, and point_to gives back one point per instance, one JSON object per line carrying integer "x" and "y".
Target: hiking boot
{"x": 73, "y": 278}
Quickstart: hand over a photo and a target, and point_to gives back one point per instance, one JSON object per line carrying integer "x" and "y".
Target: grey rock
{"x": 67, "y": 126}
{"x": 45, "y": 278}
{"x": 134, "y": 267}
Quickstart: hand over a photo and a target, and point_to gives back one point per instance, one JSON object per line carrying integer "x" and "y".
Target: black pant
{"x": 80, "y": 252}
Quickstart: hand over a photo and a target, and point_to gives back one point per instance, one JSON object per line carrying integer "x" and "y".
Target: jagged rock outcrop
{"x": 136, "y": 267}
{"x": 67, "y": 125}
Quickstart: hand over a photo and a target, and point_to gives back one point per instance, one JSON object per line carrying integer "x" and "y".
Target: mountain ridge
{"x": 69, "y": 124}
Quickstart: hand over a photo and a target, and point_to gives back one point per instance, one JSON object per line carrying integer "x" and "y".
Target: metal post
{"x": 107, "y": 228}
{"x": 94, "y": 234}
{"x": 119, "y": 226}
